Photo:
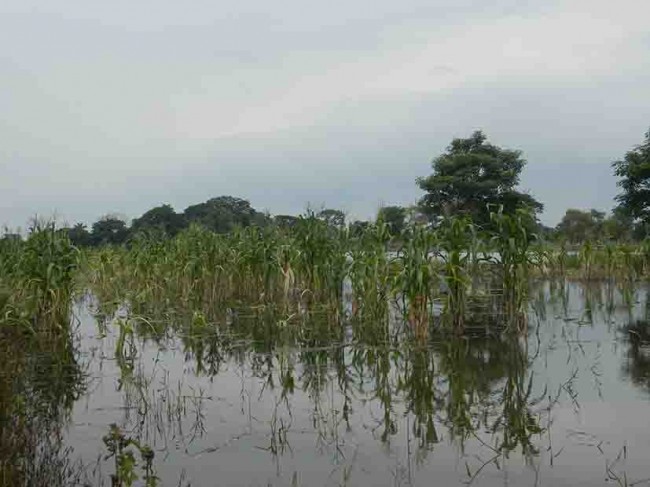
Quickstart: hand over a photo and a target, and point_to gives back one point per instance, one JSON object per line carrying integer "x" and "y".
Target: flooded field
{"x": 255, "y": 402}
{"x": 314, "y": 357}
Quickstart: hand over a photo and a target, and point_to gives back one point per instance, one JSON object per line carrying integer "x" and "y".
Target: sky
{"x": 117, "y": 107}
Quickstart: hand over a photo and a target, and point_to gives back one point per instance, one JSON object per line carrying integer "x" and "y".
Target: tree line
{"x": 221, "y": 215}
{"x": 472, "y": 178}
{"x": 630, "y": 218}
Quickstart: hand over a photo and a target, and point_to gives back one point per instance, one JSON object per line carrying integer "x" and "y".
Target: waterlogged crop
{"x": 433, "y": 276}
{"x": 37, "y": 278}
{"x": 430, "y": 325}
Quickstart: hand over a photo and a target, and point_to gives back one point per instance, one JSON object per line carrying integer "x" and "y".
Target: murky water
{"x": 258, "y": 404}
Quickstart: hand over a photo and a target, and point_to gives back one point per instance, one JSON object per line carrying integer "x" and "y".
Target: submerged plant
{"x": 121, "y": 449}
{"x": 370, "y": 279}
{"x": 586, "y": 257}
{"x": 37, "y": 279}
{"x": 511, "y": 242}
{"x": 417, "y": 277}
{"x": 456, "y": 243}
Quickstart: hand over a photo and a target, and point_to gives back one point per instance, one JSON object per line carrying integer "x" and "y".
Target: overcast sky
{"x": 118, "y": 106}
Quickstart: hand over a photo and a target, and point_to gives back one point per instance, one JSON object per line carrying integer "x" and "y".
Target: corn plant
{"x": 511, "y": 241}
{"x": 370, "y": 274}
{"x": 121, "y": 448}
{"x": 456, "y": 239}
{"x": 38, "y": 279}
{"x": 417, "y": 280}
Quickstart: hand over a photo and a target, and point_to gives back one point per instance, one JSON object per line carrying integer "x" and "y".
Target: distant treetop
{"x": 471, "y": 177}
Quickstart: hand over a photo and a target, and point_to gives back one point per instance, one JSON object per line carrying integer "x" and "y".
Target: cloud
{"x": 120, "y": 106}
{"x": 566, "y": 45}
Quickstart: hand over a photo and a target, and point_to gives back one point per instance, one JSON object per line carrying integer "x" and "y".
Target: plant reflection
{"x": 39, "y": 382}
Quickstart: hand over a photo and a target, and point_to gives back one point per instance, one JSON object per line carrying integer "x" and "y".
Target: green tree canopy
{"x": 222, "y": 214}
{"x": 394, "y": 217}
{"x": 285, "y": 221}
{"x": 473, "y": 175}
{"x": 80, "y": 236}
{"x": 579, "y": 226}
{"x": 357, "y": 227}
{"x": 634, "y": 171}
{"x": 162, "y": 218}
{"x": 109, "y": 230}
{"x": 618, "y": 226}
{"x": 332, "y": 217}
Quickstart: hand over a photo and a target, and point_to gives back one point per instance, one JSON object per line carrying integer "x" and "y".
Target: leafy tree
{"x": 394, "y": 217}
{"x": 335, "y": 218}
{"x": 285, "y": 221}
{"x": 162, "y": 218}
{"x": 222, "y": 214}
{"x": 634, "y": 171}
{"x": 414, "y": 214}
{"x": 109, "y": 230}
{"x": 579, "y": 226}
{"x": 473, "y": 175}
{"x": 261, "y": 219}
{"x": 619, "y": 226}
{"x": 80, "y": 236}
{"x": 357, "y": 227}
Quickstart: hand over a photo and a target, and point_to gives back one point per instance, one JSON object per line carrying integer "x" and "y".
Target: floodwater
{"x": 291, "y": 404}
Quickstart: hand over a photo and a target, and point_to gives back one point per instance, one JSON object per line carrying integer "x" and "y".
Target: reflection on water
{"x": 39, "y": 382}
{"x": 264, "y": 398}
{"x": 637, "y": 365}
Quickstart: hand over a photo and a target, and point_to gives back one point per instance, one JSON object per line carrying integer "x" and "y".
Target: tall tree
{"x": 162, "y": 218}
{"x": 618, "y": 226}
{"x": 579, "y": 226}
{"x": 80, "y": 236}
{"x": 285, "y": 221}
{"x": 634, "y": 171}
{"x": 109, "y": 230}
{"x": 222, "y": 214}
{"x": 473, "y": 175}
{"x": 357, "y": 227}
{"x": 335, "y": 218}
{"x": 394, "y": 217}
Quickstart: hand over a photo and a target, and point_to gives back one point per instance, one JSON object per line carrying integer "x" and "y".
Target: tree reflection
{"x": 474, "y": 390}
{"x": 39, "y": 382}
{"x": 637, "y": 363}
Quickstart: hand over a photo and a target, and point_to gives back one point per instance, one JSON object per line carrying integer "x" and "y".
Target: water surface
{"x": 258, "y": 402}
